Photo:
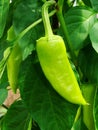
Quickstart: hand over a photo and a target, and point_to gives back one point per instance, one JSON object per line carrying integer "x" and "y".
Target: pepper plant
{"x": 38, "y": 71}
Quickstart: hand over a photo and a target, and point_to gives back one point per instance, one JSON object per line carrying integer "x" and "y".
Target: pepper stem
{"x": 45, "y": 17}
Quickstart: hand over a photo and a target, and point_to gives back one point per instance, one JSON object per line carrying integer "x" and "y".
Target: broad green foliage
{"x": 3, "y": 95}
{"x": 42, "y": 101}
{"x": 16, "y": 118}
{"x": 93, "y": 36}
{"x": 30, "y": 12}
{"x": 40, "y": 106}
{"x": 87, "y": 2}
{"x": 79, "y": 21}
{"x": 4, "y": 7}
{"x": 94, "y": 4}
{"x": 88, "y": 62}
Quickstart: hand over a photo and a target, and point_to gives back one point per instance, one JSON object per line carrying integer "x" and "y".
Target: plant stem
{"x": 60, "y": 3}
{"x": 45, "y": 17}
{"x": 63, "y": 26}
{"x": 65, "y": 31}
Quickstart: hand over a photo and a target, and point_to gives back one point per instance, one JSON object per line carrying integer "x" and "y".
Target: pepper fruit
{"x": 53, "y": 59}
{"x": 13, "y": 62}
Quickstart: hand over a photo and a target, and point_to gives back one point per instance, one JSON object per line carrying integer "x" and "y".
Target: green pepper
{"x": 13, "y": 62}
{"x": 53, "y": 59}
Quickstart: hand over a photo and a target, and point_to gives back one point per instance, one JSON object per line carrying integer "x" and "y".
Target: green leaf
{"x": 3, "y": 74}
{"x": 4, "y": 60}
{"x": 87, "y": 2}
{"x": 4, "y": 7}
{"x": 3, "y": 95}
{"x": 17, "y": 117}
{"x": 30, "y": 12}
{"x": 47, "y": 108}
{"x": 94, "y": 36}
{"x": 4, "y": 54}
{"x": 94, "y": 4}
{"x": 79, "y": 21}
{"x": 88, "y": 63}
{"x": 4, "y": 80}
